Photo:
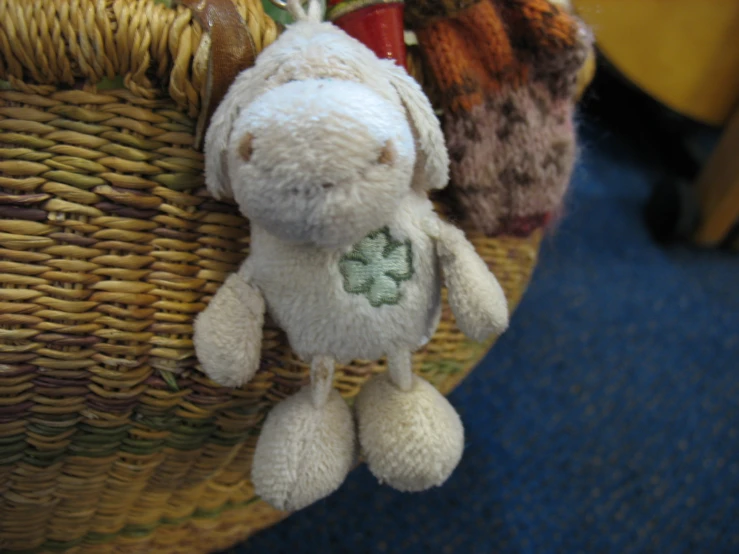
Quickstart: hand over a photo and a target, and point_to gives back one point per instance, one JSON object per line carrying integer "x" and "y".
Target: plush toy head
{"x": 319, "y": 140}
{"x": 309, "y": 166}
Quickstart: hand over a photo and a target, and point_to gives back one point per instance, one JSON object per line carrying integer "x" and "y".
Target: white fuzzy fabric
{"x": 400, "y": 369}
{"x": 432, "y": 165}
{"x": 228, "y": 333}
{"x": 309, "y": 50}
{"x": 326, "y": 181}
{"x": 330, "y": 151}
{"x": 304, "y": 452}
{"x": 305, "y": 294}
{"x": 475, "y": 296}
{"x": 412, "y": 440}
{"x": 321, "y": 379}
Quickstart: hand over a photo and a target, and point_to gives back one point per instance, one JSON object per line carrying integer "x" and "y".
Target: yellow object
{"x": 718, "y": 188}
{"x": 684, "y": 53}
{"x": 586, "y": 74}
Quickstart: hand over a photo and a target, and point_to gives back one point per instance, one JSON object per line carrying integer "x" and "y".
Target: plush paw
{"x": 223, "y": 360}
{"x": 412, "y": 440}
{"x": 303, "y": 453}
{"x": 228, "y": 334}
{"x": 475, "y": 296}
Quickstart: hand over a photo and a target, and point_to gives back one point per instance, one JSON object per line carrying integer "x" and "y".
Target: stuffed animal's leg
{"x": 411, "y": 437}
{"x": 307, "y": 445}
{"x": 400, "y": 369}
{"x": 321, "y": 380}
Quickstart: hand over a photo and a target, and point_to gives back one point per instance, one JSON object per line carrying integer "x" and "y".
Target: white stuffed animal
{"x": 330, "y": 151}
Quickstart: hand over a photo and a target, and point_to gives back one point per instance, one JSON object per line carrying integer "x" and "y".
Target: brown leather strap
{"x": 231, "y": 51}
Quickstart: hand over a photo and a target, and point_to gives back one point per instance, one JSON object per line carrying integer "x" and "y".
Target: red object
{"x": 379, "y": 27}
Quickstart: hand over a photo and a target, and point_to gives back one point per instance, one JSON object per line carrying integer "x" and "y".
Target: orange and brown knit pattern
{"x": 506, "y": 71}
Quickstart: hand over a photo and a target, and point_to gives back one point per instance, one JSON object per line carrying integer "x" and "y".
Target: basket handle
{"x": 231, "y": 51}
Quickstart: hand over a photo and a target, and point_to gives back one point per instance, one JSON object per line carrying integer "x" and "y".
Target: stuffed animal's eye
{"x": 245, "y": 147}
{"x": 388, "y": 154}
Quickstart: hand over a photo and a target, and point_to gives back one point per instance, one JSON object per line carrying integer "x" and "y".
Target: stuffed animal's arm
{"x": 228, "y": 333}
{"x": 474, "y": 294}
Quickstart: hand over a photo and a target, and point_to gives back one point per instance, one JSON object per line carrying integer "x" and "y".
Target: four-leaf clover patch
{"x": 376, "y": 267}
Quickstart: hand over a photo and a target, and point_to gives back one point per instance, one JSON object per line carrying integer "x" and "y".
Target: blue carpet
{"x": 606, "y": 418}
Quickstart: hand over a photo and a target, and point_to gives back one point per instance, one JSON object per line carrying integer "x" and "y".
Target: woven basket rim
{"x": 146, "y": 46}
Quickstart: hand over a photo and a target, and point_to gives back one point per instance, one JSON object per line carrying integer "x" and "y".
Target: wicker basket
{"x": 111, "y": 439}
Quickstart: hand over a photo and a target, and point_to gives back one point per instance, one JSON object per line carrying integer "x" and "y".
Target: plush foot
{"x": 303, "y": 453}
{"x": 412, "y": 440}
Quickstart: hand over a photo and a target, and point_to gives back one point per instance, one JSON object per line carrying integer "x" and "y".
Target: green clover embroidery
{"x": 376, "y": 267}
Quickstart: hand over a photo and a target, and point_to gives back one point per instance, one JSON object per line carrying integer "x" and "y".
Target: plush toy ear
{"x": 216, "y": 147}
{"x": 247, "y": 86}
{"x": 432, "y": 159}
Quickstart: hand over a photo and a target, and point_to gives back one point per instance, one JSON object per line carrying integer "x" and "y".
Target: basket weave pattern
{"x": 111, "y": 439}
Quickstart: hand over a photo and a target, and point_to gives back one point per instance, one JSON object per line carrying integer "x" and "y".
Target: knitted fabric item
{"x": 506, "y": 71}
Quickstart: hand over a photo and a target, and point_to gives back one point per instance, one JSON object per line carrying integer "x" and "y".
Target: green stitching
{"x": 376, "y": 266}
